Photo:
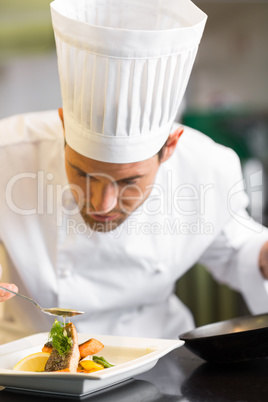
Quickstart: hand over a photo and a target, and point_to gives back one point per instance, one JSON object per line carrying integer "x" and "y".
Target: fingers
{"x": 6, "y": 295}
{"x": 263, "y": 260}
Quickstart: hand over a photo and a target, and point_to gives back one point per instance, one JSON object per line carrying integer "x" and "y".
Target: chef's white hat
{"x": 124, "y": 66}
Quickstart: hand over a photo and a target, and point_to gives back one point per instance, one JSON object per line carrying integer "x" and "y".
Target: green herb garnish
{"x": 102, "y": 361}
{"x": 59, "y": 339}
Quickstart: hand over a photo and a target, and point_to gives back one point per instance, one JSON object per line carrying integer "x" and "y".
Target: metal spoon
{"x": 52, "y": 311}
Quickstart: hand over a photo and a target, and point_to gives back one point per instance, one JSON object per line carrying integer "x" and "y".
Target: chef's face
{"x": 108, "y": 192}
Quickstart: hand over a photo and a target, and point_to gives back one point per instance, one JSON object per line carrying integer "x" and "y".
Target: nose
{"x": 103, "y": 197}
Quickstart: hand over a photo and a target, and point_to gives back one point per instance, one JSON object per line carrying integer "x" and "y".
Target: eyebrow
{"x": 138, "y": 176}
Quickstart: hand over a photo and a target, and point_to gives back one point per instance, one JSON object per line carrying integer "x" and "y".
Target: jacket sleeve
{"x": 233, "y": 259}
{"x": 233, "y": 253}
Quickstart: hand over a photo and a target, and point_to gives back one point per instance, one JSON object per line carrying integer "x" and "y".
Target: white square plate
{"x": 131, "y": 356}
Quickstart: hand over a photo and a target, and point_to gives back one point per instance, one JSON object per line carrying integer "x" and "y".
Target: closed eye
{"x": 127, "y": 182}
{"x": 80, "y": 173}
{"x": 130, "y": 180}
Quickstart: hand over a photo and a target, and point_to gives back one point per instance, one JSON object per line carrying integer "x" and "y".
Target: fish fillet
{"x": 69, "y": 361}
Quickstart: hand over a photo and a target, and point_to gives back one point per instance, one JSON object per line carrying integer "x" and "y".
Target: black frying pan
{"x": 239, "y": 339}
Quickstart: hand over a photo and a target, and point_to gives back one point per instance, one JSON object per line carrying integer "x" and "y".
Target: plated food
{"x": 130, "y": 356}
{"x": 62, "y": 353}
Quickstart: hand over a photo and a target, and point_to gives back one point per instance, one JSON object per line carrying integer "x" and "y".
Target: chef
{"x": 106, "y": 202}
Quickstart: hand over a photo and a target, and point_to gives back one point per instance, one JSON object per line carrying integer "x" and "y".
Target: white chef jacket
{"x": 124, "y": 279}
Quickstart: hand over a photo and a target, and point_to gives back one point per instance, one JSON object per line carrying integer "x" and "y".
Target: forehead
{"x": 116, "y": 169}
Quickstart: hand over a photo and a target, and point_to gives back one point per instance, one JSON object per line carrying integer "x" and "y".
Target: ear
{"x": 171, "y": 144}
{"x": 60, "y": 112}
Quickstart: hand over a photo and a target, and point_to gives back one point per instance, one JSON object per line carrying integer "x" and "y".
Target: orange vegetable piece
{"x": 90, "y": 347}
{"x": 90, "y": 366}
{"x": 47, "y": 349}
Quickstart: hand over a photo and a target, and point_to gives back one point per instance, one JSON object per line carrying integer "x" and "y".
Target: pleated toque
{"x": 124, "y": 66}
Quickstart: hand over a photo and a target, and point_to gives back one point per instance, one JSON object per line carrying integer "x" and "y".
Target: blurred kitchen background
{"x": 227, "y": 98}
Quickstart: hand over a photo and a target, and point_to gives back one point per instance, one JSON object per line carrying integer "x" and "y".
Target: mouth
{"x": 105, "y": 218}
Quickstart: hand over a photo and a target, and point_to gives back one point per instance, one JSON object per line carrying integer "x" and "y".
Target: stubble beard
{"x": 103, "y": 227}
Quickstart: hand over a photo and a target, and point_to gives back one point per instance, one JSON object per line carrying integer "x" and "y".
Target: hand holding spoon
{"x": 52, "y": 311}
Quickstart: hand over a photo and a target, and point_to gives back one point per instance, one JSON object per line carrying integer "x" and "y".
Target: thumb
{"x": 5, "y": 295}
